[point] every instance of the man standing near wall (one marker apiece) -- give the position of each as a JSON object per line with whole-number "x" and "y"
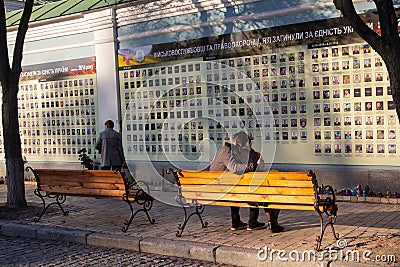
{"x": 109, "y": 145}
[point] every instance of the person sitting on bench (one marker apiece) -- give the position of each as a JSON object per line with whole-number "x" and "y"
{"x": 221, "y": 162}
{"x": 249, "y": 160}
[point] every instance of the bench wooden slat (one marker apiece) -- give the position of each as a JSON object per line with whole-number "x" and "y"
{"x": 206, "y": 174}
{"x": 245, "y": 181}
{"x": 300, "y": 176}
{"x": 83, "y": 191}
{"x": 119, "y": 186}
{"x": 243, "y": 204}
{"x": 76, "y": 172}
{"x": 80, "y": 178}
{"x": 249, "y": 197}
{"x": 250, "y": 189}
{"x": 297, "y": 176}
{"x": 91, "y": 196}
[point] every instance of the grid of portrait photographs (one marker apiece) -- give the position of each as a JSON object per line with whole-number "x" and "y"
{"x": 57, "y": 118}
{"x": 336, "y": 99}
{"x": 353, "y": 110}
{"x": 171, "y": 109}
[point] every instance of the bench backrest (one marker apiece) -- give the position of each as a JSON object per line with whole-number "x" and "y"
{"x": 281, "y": 190}
{"x": 96, "y": 183}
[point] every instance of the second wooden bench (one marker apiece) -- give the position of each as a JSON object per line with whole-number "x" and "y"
{"x": 57, "y": 184}
{"x": 274, "y": 190}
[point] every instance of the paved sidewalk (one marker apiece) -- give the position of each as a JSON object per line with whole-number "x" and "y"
{"x": 364, "y": 226}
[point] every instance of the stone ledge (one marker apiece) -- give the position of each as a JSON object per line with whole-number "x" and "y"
{"x": 240, "y": 257}
{"x": 185, "y": 249}
{"x": 114, "y": 241}
{"x": 368, "y": 199}
{"x": 248, "y": 257}
{"x": 63, "y": 234}
{"x": 19, "y": 230}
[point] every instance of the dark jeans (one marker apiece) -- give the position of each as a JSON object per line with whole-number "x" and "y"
{"x": 113, "y": 167}
{"x": 272, "y": 214}
{"x": 253, "y": 215}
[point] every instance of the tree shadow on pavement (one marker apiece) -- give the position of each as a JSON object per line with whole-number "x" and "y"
{"x": 13, "y": 214}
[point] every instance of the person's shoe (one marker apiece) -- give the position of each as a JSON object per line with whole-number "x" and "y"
{"x": 255, "y": 226}
{"x": 279, "y": 227}
{"x": 275, "y": 227}
{"x": 239, "y": 226}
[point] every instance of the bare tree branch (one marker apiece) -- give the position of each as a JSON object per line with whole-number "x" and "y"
{"x": 22, "y": 29}
{"x": 388, "y": 22}
{"x": 349, "y": 13}
{"x": 4, "y": 61}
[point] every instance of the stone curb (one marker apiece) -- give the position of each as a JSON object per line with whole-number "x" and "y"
{"x": 114, "y": 241}
{"x": 19, "y": 230}
{"x": 185, "y": 249}
{"x": 251, "y": 257}
{"x": 63, "y": 234}
{"x": 382, "y": 200}
{"x": 352, "y": 264}
{"x": 44, "y": 232}
{"x": 239, "y": 257}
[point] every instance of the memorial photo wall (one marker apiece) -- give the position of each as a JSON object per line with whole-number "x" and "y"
{"x": 183, "y": 117}
{"x": 323, "y": 93}
{"x": 57, "y": 110}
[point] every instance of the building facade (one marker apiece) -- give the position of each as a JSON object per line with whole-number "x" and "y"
{"x": 181, "y": 78}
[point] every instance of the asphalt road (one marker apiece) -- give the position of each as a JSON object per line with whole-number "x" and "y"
{"x": 28, "y": 252}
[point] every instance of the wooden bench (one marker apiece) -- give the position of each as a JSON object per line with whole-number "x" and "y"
{"x": 57, "y": 184}
{"x": 274, "y": 190}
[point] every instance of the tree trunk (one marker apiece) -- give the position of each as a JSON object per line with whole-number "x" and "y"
{"x": 395, "y": 85}
{"x": 12, "y": 143}
{"x": 393, "y": 67}
{"x": 9, "y": 78}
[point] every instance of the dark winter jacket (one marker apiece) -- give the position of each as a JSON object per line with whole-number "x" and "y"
{"x": 109, "y": 144}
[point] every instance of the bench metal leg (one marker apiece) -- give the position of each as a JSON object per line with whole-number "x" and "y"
{"x": 329, "y": 209}
{"x": 60, "y": 199}
{"x": 199, "y": 209}
{"x": 180, "y": 199}
{"x": 331, "y": 222}
{"x": 142, "y": 199}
